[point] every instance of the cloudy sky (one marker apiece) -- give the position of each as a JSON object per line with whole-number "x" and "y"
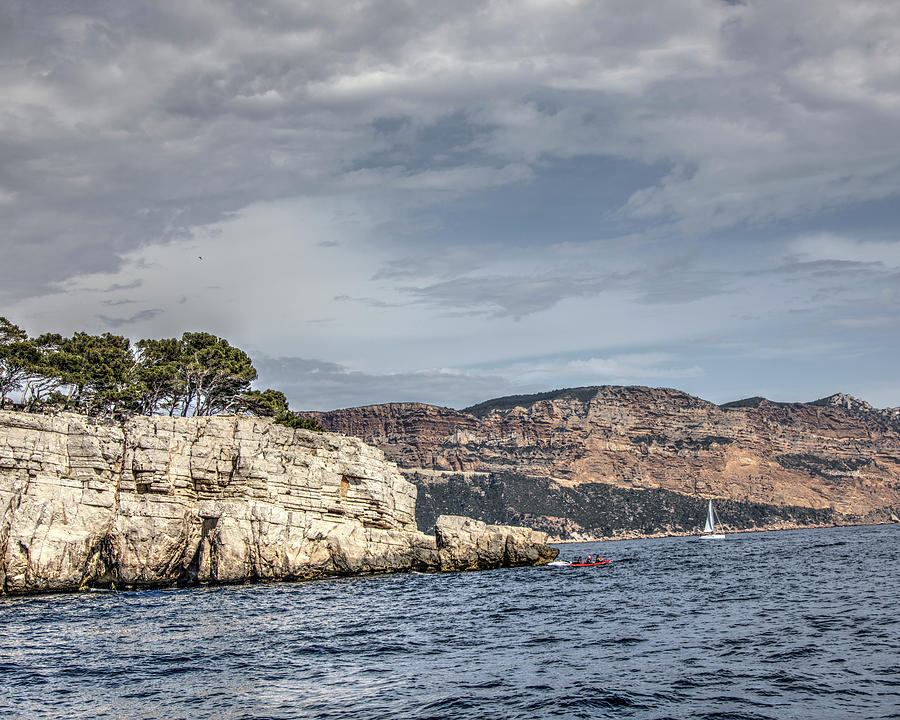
{"x": 448, "y": 202}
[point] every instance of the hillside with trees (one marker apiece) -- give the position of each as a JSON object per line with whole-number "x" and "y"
{"x": 196, "y": 374}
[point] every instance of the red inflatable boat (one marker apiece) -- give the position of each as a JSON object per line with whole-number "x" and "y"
{"x": 593, "y": 564}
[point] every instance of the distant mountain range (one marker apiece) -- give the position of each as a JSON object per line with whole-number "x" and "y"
{"x": 615, "y": 461}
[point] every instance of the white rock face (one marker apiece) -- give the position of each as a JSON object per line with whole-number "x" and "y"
{"x": 163, "y": 501}
{"x": 467, "y": 544}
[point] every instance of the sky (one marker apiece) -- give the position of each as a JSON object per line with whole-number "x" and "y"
{"x": 450, "y": 202}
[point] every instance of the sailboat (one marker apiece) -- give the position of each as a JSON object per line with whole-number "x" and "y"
{"x": 709, "y": 530}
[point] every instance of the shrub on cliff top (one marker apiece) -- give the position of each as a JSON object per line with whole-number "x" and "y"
{"x": 273, "y": 403}
{"x": 298, "y": 422}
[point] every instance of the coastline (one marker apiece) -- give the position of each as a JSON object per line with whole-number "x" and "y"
{"x": 649, "y": 536}
{"x": 155, "y": 501}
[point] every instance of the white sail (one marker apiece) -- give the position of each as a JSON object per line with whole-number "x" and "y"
{"x": 709, "y": 530}
{"x": 710, "y": 526}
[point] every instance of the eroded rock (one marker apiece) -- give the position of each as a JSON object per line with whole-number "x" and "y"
{"x": 467, "y": 544}
{"x": 165, "y": 501}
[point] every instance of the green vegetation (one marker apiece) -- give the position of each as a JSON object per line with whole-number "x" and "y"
{"x": 197, "y": 374}
{"x": 582, "y": 394}
{"x": 594, "y": 509}
{"x": 272, "y": 403}
{"x": 821, "y": 466}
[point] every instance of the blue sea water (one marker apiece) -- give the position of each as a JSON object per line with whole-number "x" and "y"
{"x": 795, "y": 624}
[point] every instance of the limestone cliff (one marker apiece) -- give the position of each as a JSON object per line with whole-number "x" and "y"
{"x": 838, "y": 458}
{"x": 162, "y": 501}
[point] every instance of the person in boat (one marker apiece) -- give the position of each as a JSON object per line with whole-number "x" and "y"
{"x": 577, "y": 560}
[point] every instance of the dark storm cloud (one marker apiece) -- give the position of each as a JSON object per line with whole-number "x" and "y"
{"x": 500, "y": 296}
{"x": 118, "y": 322}
{"x": 116, "y": 135}
{"x": 668, "y": 280}
{"x": 827, "y": 268}
{"x": 450, "y": 140}
{"x": 681, "y": 288}
{"x": 519, "y": 296}
{"x": 130, "y": 124}
{"x": 369, "y": 301}
{"x": 116, "y": 287}
{"x": 448, "y": 262}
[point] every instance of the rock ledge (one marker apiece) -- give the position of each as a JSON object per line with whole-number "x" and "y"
{"x": 162, "y": 501}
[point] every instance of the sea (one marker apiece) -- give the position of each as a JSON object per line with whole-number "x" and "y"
{"x": 790, "y": 624}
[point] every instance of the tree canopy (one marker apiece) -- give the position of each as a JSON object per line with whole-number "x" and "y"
{"x": 16, "y": 356}
{"x": 196, "y": 374}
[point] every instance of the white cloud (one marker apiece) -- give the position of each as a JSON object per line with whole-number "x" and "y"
{"x": 826, "y": 246}
{"x": 635, "y": 365}
{"x": 630, "y": 368}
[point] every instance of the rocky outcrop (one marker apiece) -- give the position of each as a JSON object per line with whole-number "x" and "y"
{"x": 162, "y": 501}
{"x": 467, "y": 544}
{"x": 838, "y": 456}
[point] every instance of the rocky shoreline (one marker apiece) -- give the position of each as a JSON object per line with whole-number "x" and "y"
{"x": 650, "y": 536}
{"x": 160, "y": 501}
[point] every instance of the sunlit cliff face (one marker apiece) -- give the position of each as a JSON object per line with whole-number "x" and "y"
{"x": 834, "y": 453}
{"x": 160, "y": 501}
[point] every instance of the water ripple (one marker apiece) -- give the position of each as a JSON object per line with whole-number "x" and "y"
{"x": 770, "y": 625}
